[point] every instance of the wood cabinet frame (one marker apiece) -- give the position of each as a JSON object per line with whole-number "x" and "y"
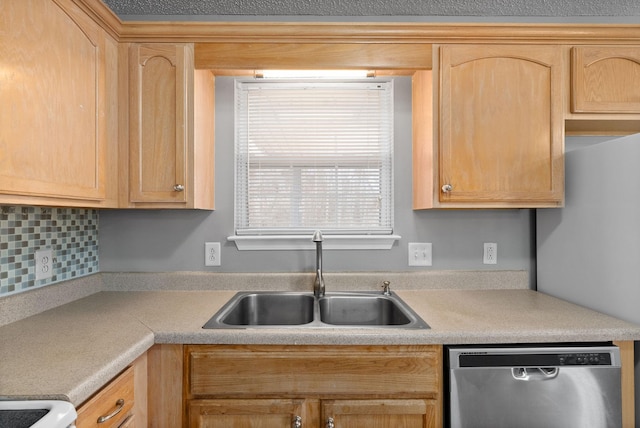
{"x": 232, "y": 47}
{"x": 161, "y": 93}
{"x": 167, "y": 137}
{"x": 400, "y": 381}
{"x": 61, "y": 116}
{"x": 499, "y": 141}
{"x": 604, "y": 79}
{"x": 167, "y": 368}
{"x": 602, "y": 98}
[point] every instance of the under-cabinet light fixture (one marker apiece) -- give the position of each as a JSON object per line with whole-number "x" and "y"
{"x": 314, "y": 74}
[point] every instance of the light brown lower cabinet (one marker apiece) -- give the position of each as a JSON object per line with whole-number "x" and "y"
{"x": 312, "y": 386}
{"x": 406, "y": 413}
{"x": 268, "y": 412}
{"x": 265, "y": 386}
{"x": 122, "y": 403}
{"x": 112, "y": 406}
{"x": 380, "y": 413}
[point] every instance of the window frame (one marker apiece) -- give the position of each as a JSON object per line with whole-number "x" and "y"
{"x": 295, "y": 238}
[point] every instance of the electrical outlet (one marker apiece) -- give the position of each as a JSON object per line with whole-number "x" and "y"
{"x": 420, "y": 253}
{"x": 490, "y": 256}
{"x": 212, "y": 254}
{"x": 44, "y": 263}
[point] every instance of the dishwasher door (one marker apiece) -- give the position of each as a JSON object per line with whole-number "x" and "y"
{"x": 535, "y": 387}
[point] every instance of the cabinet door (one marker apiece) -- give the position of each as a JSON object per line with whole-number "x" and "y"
{"x": 501, "y": 126}
{"x": 254, "y": 413}
{"x": 380, "y": 414}
{"x": 605, "y": 79}
{"x": 160, "y": 123}
{"x": 53, "y": 89}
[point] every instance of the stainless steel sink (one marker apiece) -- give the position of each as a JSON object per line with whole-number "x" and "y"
{"x": 265, "y": 309}
{"x": 351, "y": 309}
{"x": 292, "y": 309}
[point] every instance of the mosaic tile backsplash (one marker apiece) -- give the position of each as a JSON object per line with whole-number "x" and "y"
{"x": 71, "y": 234}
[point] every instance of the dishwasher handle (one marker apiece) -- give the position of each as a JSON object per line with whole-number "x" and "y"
{"x": 528, "y": 374}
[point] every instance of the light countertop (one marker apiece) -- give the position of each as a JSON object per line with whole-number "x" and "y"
{"x": 70, "y": 351}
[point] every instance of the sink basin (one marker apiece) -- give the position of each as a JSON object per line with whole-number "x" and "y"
{"x": 362, "y": 310}
{"x": 265, "y": 309}
{"x": 338, "y": 309}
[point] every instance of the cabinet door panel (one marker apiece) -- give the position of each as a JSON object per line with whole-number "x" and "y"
{"x": 500, "y": 124}
{"x": 286, "y": 371}
{"x": 380, "y": 413}
{"x": 254, "y": 413}
{"x": 52, "y": 126}
{"x": 160, "y": 78}
{"x": 605, "y": 79}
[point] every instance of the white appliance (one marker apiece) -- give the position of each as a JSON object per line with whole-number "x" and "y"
{"x": 589, "y": 251}
{"x": 37, "y": 414}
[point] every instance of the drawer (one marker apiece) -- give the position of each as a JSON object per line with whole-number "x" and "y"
{"x": 291, "y": 371}
{"x": 112, "y": 406}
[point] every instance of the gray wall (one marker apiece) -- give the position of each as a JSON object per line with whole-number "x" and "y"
{"x": 173, "y": 240}
{"x": 588, "y": 252}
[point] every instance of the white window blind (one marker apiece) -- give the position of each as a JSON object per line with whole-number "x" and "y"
{"x": 314, "y": 155}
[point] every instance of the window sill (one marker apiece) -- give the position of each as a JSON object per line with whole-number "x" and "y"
{"x": 304, "y": 242}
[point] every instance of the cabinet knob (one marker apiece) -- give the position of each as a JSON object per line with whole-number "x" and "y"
{"x": 330, "y": 423}
{"x": 178, "y": 188}
{"x": 297, "y": 422}
{"x": 447, "y": 188}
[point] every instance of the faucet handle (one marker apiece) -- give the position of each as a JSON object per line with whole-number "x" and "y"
{"x": 386, "y": 286}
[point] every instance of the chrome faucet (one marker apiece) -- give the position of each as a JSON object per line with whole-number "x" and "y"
{"x": 318, "y": 283}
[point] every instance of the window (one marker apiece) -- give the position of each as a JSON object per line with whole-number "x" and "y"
{"x": 311, "y": 155}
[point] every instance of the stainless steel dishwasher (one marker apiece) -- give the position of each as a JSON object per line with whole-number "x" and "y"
{"x": 530, "y": 387}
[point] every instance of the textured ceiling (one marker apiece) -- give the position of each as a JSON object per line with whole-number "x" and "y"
{"x": 336, "y": 8}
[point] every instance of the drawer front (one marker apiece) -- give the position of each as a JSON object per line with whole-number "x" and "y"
{"x": 286, "y": 371}
{"x": 111, "y": 406}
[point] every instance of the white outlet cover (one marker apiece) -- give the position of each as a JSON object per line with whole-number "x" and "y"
{"x": 420, "y": 254}
{"x": 44, "y": 264}
{"x": 212, "y": 254}
{"x": 490, "y": 256}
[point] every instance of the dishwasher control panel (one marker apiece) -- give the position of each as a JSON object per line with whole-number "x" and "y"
{"x": 600, "y": 358}
{"x": 539, "y": 357}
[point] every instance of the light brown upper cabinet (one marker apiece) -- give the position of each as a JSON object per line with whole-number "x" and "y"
{"x": 605, "y": 79}
{"x": 498, "y": 138}
{"x": 58, "y": 126}
{"x": 170, "y": 128}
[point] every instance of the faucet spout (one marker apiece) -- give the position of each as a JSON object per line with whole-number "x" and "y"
{"x": 318, "y": 283}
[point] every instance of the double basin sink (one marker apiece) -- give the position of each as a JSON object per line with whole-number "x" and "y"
{"x": 299, "y": 309}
